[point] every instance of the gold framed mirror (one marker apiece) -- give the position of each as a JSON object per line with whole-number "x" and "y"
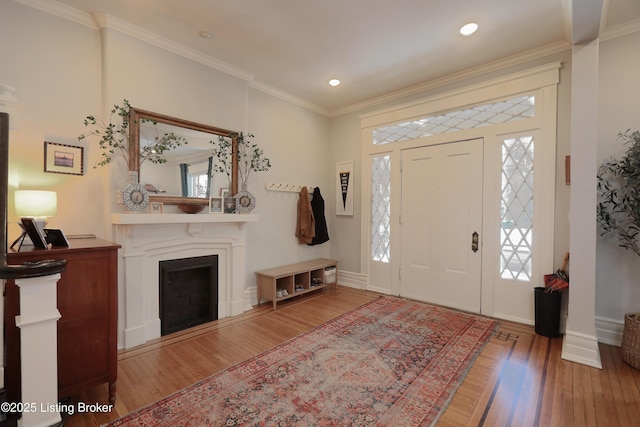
{"x": 196, "y": 152}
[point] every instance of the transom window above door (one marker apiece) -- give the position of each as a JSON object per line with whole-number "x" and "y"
{"x": 510, "y": 110}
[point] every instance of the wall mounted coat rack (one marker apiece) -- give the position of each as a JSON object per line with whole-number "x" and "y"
{"x": 290, "y": 188}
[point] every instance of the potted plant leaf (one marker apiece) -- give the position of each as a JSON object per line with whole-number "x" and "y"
{"x": 618, "y": 214}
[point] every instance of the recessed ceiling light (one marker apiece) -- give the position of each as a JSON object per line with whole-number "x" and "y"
{"x": 206, "y": 35}
{"x": 468, "y": 29}
{"x": 334, "y": 82}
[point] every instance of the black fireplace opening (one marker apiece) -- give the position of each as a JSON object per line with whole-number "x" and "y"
{"x": 188, "y": 292}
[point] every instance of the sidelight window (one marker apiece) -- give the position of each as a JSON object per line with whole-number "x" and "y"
{"x": 516, "y": 208}
{"x": 381, "y": 208}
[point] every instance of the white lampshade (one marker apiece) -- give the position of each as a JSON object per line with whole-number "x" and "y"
{"x": 35, "y": 203}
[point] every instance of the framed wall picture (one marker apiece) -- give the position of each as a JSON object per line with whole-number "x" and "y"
{"x": 62, "y": 158}
{"x": 344, "y": 188}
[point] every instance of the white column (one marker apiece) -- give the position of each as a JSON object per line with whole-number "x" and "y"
{"x": 580, "y": 341}
{"x": 39, "y": 350}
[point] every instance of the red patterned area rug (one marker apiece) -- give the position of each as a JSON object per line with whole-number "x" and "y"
{"x": 390, "y": 362}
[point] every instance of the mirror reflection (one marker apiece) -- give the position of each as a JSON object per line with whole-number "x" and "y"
{"x": 188, "y": 170}
{"x": 187, "y": 173}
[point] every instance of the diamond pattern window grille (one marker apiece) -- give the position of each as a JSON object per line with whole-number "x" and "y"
{"x": 381, "y": 208}
{"x": 516, "y": 211}
{"x": 522, "y": 107}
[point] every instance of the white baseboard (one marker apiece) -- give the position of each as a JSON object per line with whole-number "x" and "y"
{"x": 352, "y": 280}
{"x": 609, "y": 330}
{"x": 581, "y": 348}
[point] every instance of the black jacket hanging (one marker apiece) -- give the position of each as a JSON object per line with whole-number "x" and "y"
{"x": 317, "y": 206}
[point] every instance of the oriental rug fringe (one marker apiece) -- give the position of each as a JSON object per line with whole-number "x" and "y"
{"x": 389, "y": 362}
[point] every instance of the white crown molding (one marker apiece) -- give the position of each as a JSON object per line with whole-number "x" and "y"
{"x": 61, "y": 10}
{"x": 498, "y": 65}
{"x": 620, "y": 30}
{"x": 262, "y": 87}
{"x": 107, "y": 21}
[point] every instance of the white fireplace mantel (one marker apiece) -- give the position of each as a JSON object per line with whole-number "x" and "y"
{"x": 148, "y": 239}
{"x": 139, "y": 218}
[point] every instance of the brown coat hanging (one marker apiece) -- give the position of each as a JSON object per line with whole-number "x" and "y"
{"x": 306, "y": 225}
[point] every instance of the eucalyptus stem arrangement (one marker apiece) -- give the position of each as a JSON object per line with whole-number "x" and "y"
{"x": 250, "y": 157}
{"x": 223, "y": 156}
{"x": 114, "y": 137}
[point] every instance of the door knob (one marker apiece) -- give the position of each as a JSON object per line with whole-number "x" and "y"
{"x": 474, "y": 241}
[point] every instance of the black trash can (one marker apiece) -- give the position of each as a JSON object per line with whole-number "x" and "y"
{"x": 547, "y": 307}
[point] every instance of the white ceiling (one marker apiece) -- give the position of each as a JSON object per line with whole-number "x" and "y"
{"x": 376, "y": 47}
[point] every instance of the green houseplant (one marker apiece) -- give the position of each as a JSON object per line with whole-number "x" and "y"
{"x": 618, "y": 214}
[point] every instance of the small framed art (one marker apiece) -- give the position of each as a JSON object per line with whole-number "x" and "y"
{"x": 156, "y": 207}
{"x": 63, "y": 158}
{"x": 215, "y": 205}
{"x": 56, "y": 237}
{"x": 229, "y": 205}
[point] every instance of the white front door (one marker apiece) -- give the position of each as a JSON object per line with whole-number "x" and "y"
{"x": 441, "y": 222}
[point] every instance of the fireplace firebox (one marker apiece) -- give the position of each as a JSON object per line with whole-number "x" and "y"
{"x": 188, "y": 292}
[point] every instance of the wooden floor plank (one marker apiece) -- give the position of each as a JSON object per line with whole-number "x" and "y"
{"x": 519, "y": 379}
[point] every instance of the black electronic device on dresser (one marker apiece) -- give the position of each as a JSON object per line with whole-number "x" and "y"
{"x": 87, "y": 299}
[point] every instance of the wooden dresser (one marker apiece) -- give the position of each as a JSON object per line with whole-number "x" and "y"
{"x": 87, "y": 298}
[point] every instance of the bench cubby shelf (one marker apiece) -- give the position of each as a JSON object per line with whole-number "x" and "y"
{"x": 296, "y": 279}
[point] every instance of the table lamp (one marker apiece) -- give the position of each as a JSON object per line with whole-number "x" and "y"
{"x": 35, "y": 204}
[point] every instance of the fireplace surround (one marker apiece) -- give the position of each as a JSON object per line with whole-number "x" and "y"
{"x": 148, "y": 239}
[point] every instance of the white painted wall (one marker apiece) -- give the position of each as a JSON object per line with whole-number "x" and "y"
{"x": 296, "y": 142}
{"x": 617, "y": 270}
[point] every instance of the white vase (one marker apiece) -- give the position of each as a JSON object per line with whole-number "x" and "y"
{"x": 245, "y": 202}
{"x": 133, "y": 197}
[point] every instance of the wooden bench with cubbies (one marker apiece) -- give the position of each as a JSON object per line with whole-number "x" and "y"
{"x": 288, "y": 281}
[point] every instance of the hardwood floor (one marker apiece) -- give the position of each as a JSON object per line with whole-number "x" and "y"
{"x": 518, "y": 379}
